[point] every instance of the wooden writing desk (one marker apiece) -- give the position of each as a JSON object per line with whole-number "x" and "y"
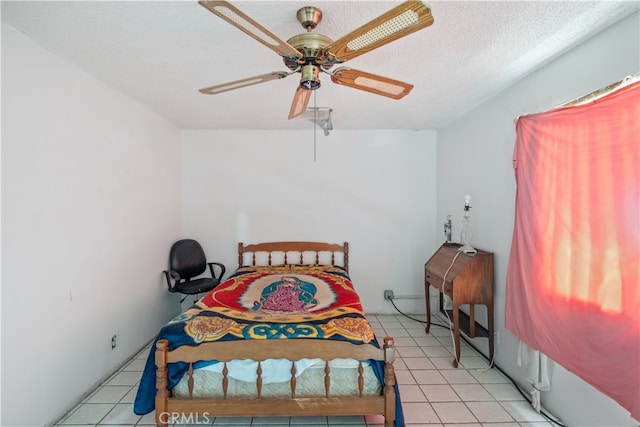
{"x": 466, "y": 279}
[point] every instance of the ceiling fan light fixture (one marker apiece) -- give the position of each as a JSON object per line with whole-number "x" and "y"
{"x": 321, "y": 116}
{"x": 309, "y": 79}
{"x": 317, "y": 113}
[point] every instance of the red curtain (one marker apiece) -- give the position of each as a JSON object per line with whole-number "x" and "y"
{"x": 573, "y": 278}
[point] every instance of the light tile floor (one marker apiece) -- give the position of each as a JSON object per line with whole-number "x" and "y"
{"x": 433, "y": 393}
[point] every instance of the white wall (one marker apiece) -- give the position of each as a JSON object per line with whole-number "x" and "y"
{"x": 91, "y": 202}
{"x": 474, "y": 157}
{"x": 90, "y": 205}
{"x": 374, "y": 189}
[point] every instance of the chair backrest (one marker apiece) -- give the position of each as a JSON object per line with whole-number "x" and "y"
{"x": 187, "y": 258}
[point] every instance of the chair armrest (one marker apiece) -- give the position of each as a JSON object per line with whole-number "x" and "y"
{"x": 220, "y": 266}
{"x": 171, "y": 274}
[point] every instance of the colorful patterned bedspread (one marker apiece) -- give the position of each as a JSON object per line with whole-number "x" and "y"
{"x": 280, "y": 302}
{"x": 274, "y": 302}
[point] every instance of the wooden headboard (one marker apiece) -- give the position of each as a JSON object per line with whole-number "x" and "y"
{"x": 299, "y": 251}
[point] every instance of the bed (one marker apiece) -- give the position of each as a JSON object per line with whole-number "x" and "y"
{"x": 284, "y": 335}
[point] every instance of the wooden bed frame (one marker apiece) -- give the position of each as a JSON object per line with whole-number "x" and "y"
{"x": 297, "y": 247}
{"x": 167, "y": 406}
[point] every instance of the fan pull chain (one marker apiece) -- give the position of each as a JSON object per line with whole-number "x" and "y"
{"x": 315, "y": 125}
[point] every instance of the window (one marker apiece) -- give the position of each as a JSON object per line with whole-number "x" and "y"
{"x": 573, "y": 279}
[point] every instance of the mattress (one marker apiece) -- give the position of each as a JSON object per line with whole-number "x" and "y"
{"x": 276, "y": 379}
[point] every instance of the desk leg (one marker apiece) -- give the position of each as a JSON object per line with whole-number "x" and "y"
{"x": 456, "y": 334}
{"x": 427, "y": 287}
{"x": 491, "y": 333}
{"x": 472, "y": 320}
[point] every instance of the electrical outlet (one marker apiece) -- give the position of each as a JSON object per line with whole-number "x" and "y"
{"x": 114, "y": 341}
{"x": 388, "y": 295}
{"x": 448, "y": 304}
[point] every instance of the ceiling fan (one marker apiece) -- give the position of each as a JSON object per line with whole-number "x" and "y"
{"x": 311, "y": 53}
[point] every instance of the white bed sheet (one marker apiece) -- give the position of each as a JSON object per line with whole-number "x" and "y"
{"x": 276, "y": 376}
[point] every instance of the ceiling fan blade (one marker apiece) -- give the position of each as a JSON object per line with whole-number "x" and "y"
{"x": 213, "y": 90}
{"x": 300, "y": 102}
{"x": 244, "y": 22}
{"x": 400, "y": 21}
{"x": 371, "y": 83}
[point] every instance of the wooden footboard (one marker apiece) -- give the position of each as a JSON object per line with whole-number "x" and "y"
{"x": 167, "y": 406}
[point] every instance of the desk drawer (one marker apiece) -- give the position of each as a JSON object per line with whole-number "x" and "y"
{"x": 436, "y": 280}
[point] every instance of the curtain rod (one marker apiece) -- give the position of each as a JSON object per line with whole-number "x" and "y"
{"x": 602, "y": 91}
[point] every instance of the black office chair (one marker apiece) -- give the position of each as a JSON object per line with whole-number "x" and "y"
{"x": 187, "y": 260}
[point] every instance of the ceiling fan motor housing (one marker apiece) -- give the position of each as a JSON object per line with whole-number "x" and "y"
{"x": 311, "y": 46}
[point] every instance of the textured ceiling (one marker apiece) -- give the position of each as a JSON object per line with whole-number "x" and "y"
{"x": 160, "y": 53}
